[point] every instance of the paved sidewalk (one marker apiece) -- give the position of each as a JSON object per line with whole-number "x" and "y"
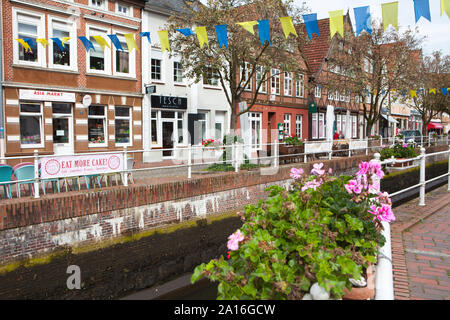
{"x": 421, "y": 248}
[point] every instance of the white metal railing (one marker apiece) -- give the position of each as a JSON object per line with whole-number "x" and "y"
{"x": 195, "y": 155}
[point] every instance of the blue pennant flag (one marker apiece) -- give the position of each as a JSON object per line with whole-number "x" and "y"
{"x": 311, "y": 24}
{"x": 31, "y": 42}
{"x": 362, "y": 20}
{"x": 186, "y": 32}
{"x": 59, "y": 43}
{"x": 87, "y": 43}
{"x": 444, "y": 91}
{"x": 422, "y": 9}
{"x": 115, "y": 41}
{"x": 222, "y": 37}
{"x": 146, "y": 34}
{"x": 264, "y": 31}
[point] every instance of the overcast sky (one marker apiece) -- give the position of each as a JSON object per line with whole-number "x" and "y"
{"x": 437, "y": 31}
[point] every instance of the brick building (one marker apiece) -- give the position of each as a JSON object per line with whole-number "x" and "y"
{"x": 43, "y": 90}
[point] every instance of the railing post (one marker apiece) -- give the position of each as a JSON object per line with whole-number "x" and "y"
{"x": 190, "y": 161}
{"x": 36, "y": 174}
{"x": 235, "y": 158}
{"x": 125, "y": 164}
{"x": 367, "y": 147}
{"x": 422, "y": 177}
{"x": 277, "y": 153}
{"x": 305, "y": 156}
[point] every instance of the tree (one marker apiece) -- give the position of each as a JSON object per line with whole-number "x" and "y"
{"x": 428, "y": 77}
{"x": 245, "y": 54}
{"x": 377, "y": 64}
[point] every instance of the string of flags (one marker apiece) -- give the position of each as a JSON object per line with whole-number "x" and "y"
{"x": 362, "y": 22}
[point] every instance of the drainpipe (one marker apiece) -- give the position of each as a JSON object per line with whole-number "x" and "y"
{"x": 2, "y": 126}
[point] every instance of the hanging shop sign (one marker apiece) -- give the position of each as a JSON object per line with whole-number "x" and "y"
{"x": 166, "y": 102}
{"x": 42, "y": 95}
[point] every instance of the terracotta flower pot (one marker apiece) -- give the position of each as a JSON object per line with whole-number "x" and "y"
{"x": 364, "y": 293}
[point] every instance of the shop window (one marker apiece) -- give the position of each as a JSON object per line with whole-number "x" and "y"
{"x": 122, "y": 124}
{"x": 31, "y": 129}
{"x": 298, "y": 125}
{"x": 260, "y": 75}
{"x": 318, "y": 126}
{"x": 180, "y": 127}
{"x": 300, "y": 86}
{"x": 154, "y": 127}
{"x": 156, "y": 69}
{"x": 288, "y": 84}
{"x": 178, "y": 72}
{"x": 97, "y": 125}
{"x": 275, "y": 81}
{"x": 256, "y": 130}
{"x": 202, "y": 126}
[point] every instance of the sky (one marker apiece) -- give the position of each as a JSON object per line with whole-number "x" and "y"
{"x": 437, "y": 31}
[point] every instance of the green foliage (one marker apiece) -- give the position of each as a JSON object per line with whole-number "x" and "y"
{"x": 398, "y": 151}
{"x": 219, "y": 167}
{"x": 293, "y": 140}
{"x": 296, "y": 238}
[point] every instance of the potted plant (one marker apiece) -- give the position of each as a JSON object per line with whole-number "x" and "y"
{"x": 292, "y": 145}
{"x": 321, "y": 231}
{"x": 399, "y": 151}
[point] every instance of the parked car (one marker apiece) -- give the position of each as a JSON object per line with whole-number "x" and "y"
{"x": 411, "y": 134}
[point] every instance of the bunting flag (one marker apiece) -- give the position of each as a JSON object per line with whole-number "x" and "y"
{"x": 445, "y": 7}
{"x": 222, "y": 36}
{"x": 336, "y": 22}
{"x": 147, "y": 35}
{"x": 24, "y": 44}
{"x": 102, "y": 42}
{"x": 42, "y": 41}
{"x": 248, "y": 25}
{"x": 288, "y": 26}
{"x": 131, "y": 43}
{"x": 64, "y": 40}
{"x": 413, "y": 93}
{"x": 202, "y": 36}
{"x": 264, "y": 31}
{"x": 59, "y": 43}
{"x": 422, "y": 9}
{"x": 432, "y": 91}
{"x": 444, "y": 91}
{"x": 311, "y": 24}
{"x": 390, "y": 14}
{"x": 115, "y": 41}
{"x": 164, "y": 40}
{"x": 87, "y": 43}
{"x": 362, "y": 20}
{"x": 31, "y": 42}
{"x": 185, "y": 32}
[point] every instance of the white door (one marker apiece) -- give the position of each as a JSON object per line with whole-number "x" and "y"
{"x": 62, "y": 128}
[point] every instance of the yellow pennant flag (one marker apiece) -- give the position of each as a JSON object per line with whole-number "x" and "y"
{"x": 432, "y": 91}
{"x": 102, "y": 42}
{"x": 413, "y": 93}
{"x": 42, "y": 41}
{"x": 65, "y": 39}
{"x": 336, "y": 22}
{"x": 131, "y": 43}
{"x": 202, "y": 36}
{"x": 248, "y": 25}
{"x": 164, "y": 40}
{"x": 390, "y": 14}
{"x": 25, "y": 45}
{"x": 288, "y": 26}
{"x": 445, "y": 7}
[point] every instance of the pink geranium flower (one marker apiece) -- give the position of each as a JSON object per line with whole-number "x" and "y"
{"x": 405, "y": 145}
{"x": 234, "y": 239}
{"x": 314, "y": 184}
{"x": 296, "y": 173}
{"x": 363, "y": 168}
{"x": 383, "y": 213}
{"x": 354, "y": 186}
{"x": 317, "y": 169}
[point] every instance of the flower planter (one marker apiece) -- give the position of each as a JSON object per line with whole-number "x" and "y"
{"x": 403, "y": 164}
{"x": 363, "y": 293}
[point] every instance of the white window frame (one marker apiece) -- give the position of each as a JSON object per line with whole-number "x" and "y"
{"x": 354, "y": 126}
{"x": 71, "y": 28}
{"x": 131, "y": 58}
{"x": 157, "y": 119}
{"x": 255, "y": 117}
{"x": 330, "y": 95}
{"x": 322, "y": 134}
{"x": 206, "y": 85}
{"x": 130, "y": 121}
{"x": 183, "y": 81}
{"x": 318, "y": 92}
{"x": 287, "y": 123}
{"x": 287, "y": 84}
{"x": 206, "y": 121}
{"x": 247, "y": 72}
{"x": 41, "y": 123}
{"x": 275, "y": 79}
{"x": 342, "y": 96}
{"x": 300, "y": 86}
{"x": 129, "y": 8}
{"x": 260, "y": 74}
{"x": 298, "y": 125}
{"x": 99, "y": 31}
{"x": 37, "y": 19}
{"x": 103, "y": 7}
{"x": 105, "y": 127}
{"x": 318, "y": 117}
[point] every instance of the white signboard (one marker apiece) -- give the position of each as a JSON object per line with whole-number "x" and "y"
{"x": 318, "y": 147}
{"x": 358, "y": 144}
{"x": 67, "y": 166}
{"x": 42, "y": 95}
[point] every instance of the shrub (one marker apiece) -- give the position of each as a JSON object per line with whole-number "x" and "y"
{"x": 293, "y": 140}
{"x": 322, "y": 229}
{"x": 399, "y": 151}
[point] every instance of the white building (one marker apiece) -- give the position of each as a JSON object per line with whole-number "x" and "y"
{"x": 180, "y": 112}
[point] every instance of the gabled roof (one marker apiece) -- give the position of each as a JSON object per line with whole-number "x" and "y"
{"x": 170, "y": 7}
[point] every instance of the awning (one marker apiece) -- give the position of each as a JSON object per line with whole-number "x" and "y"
{"x": 389, "y": 118}
{"x": 434, "y": 125}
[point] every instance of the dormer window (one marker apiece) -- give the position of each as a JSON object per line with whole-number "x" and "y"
{"x": 124, "y": 9}
{"x": 98, "y": 4}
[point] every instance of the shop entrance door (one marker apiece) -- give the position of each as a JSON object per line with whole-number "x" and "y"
{"x": 168, "y": 138}
{"x": 62, "y": 129}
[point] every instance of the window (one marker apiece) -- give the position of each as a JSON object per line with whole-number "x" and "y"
{"x": 99, "y": 61}
{"x": 178, "y": 72}
{"x": 287, "y": 124}
{"x": 31, "y": 129}
{"x": 28, "y": 27}
{"x": 338, "y": 123}
{"x": 260, "y": 75}
{"x": 342, "y": 96}
{"x": 123, "y": 9}
{"x": 256, "y": 132}
{"x": 368, "y": 66}
{"x": 154, "y": 127}
{"x": 318, "y": 91}
{"x": 354, "y": 129}
{"x": 246, "y": 75}
{"x": 156, "y": 69}
{"x": 347, "y": 96}
{"x": 275, "y": 81}
{"x": 330, "y": 95}
{"x": 210, "y": 76}
{"x": 62, "y": 58}
{"x": 368, "y": 97}
{"x": 219, "y": 124}
{"x": 98, "y": 4}
{"x": 300, "y": 86}
{"x": 318, "y": 125}
{"x": 124, "y": 63}
{"x": 288, "y": 84}
{"x": 180, "y": 127}
{"x": 202, "y": 126}
{"x": 298, "y": 126}
{"x": 97, "y": 125}
{"x": 357, "y": 99}
{"x": 122, "y": 125}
